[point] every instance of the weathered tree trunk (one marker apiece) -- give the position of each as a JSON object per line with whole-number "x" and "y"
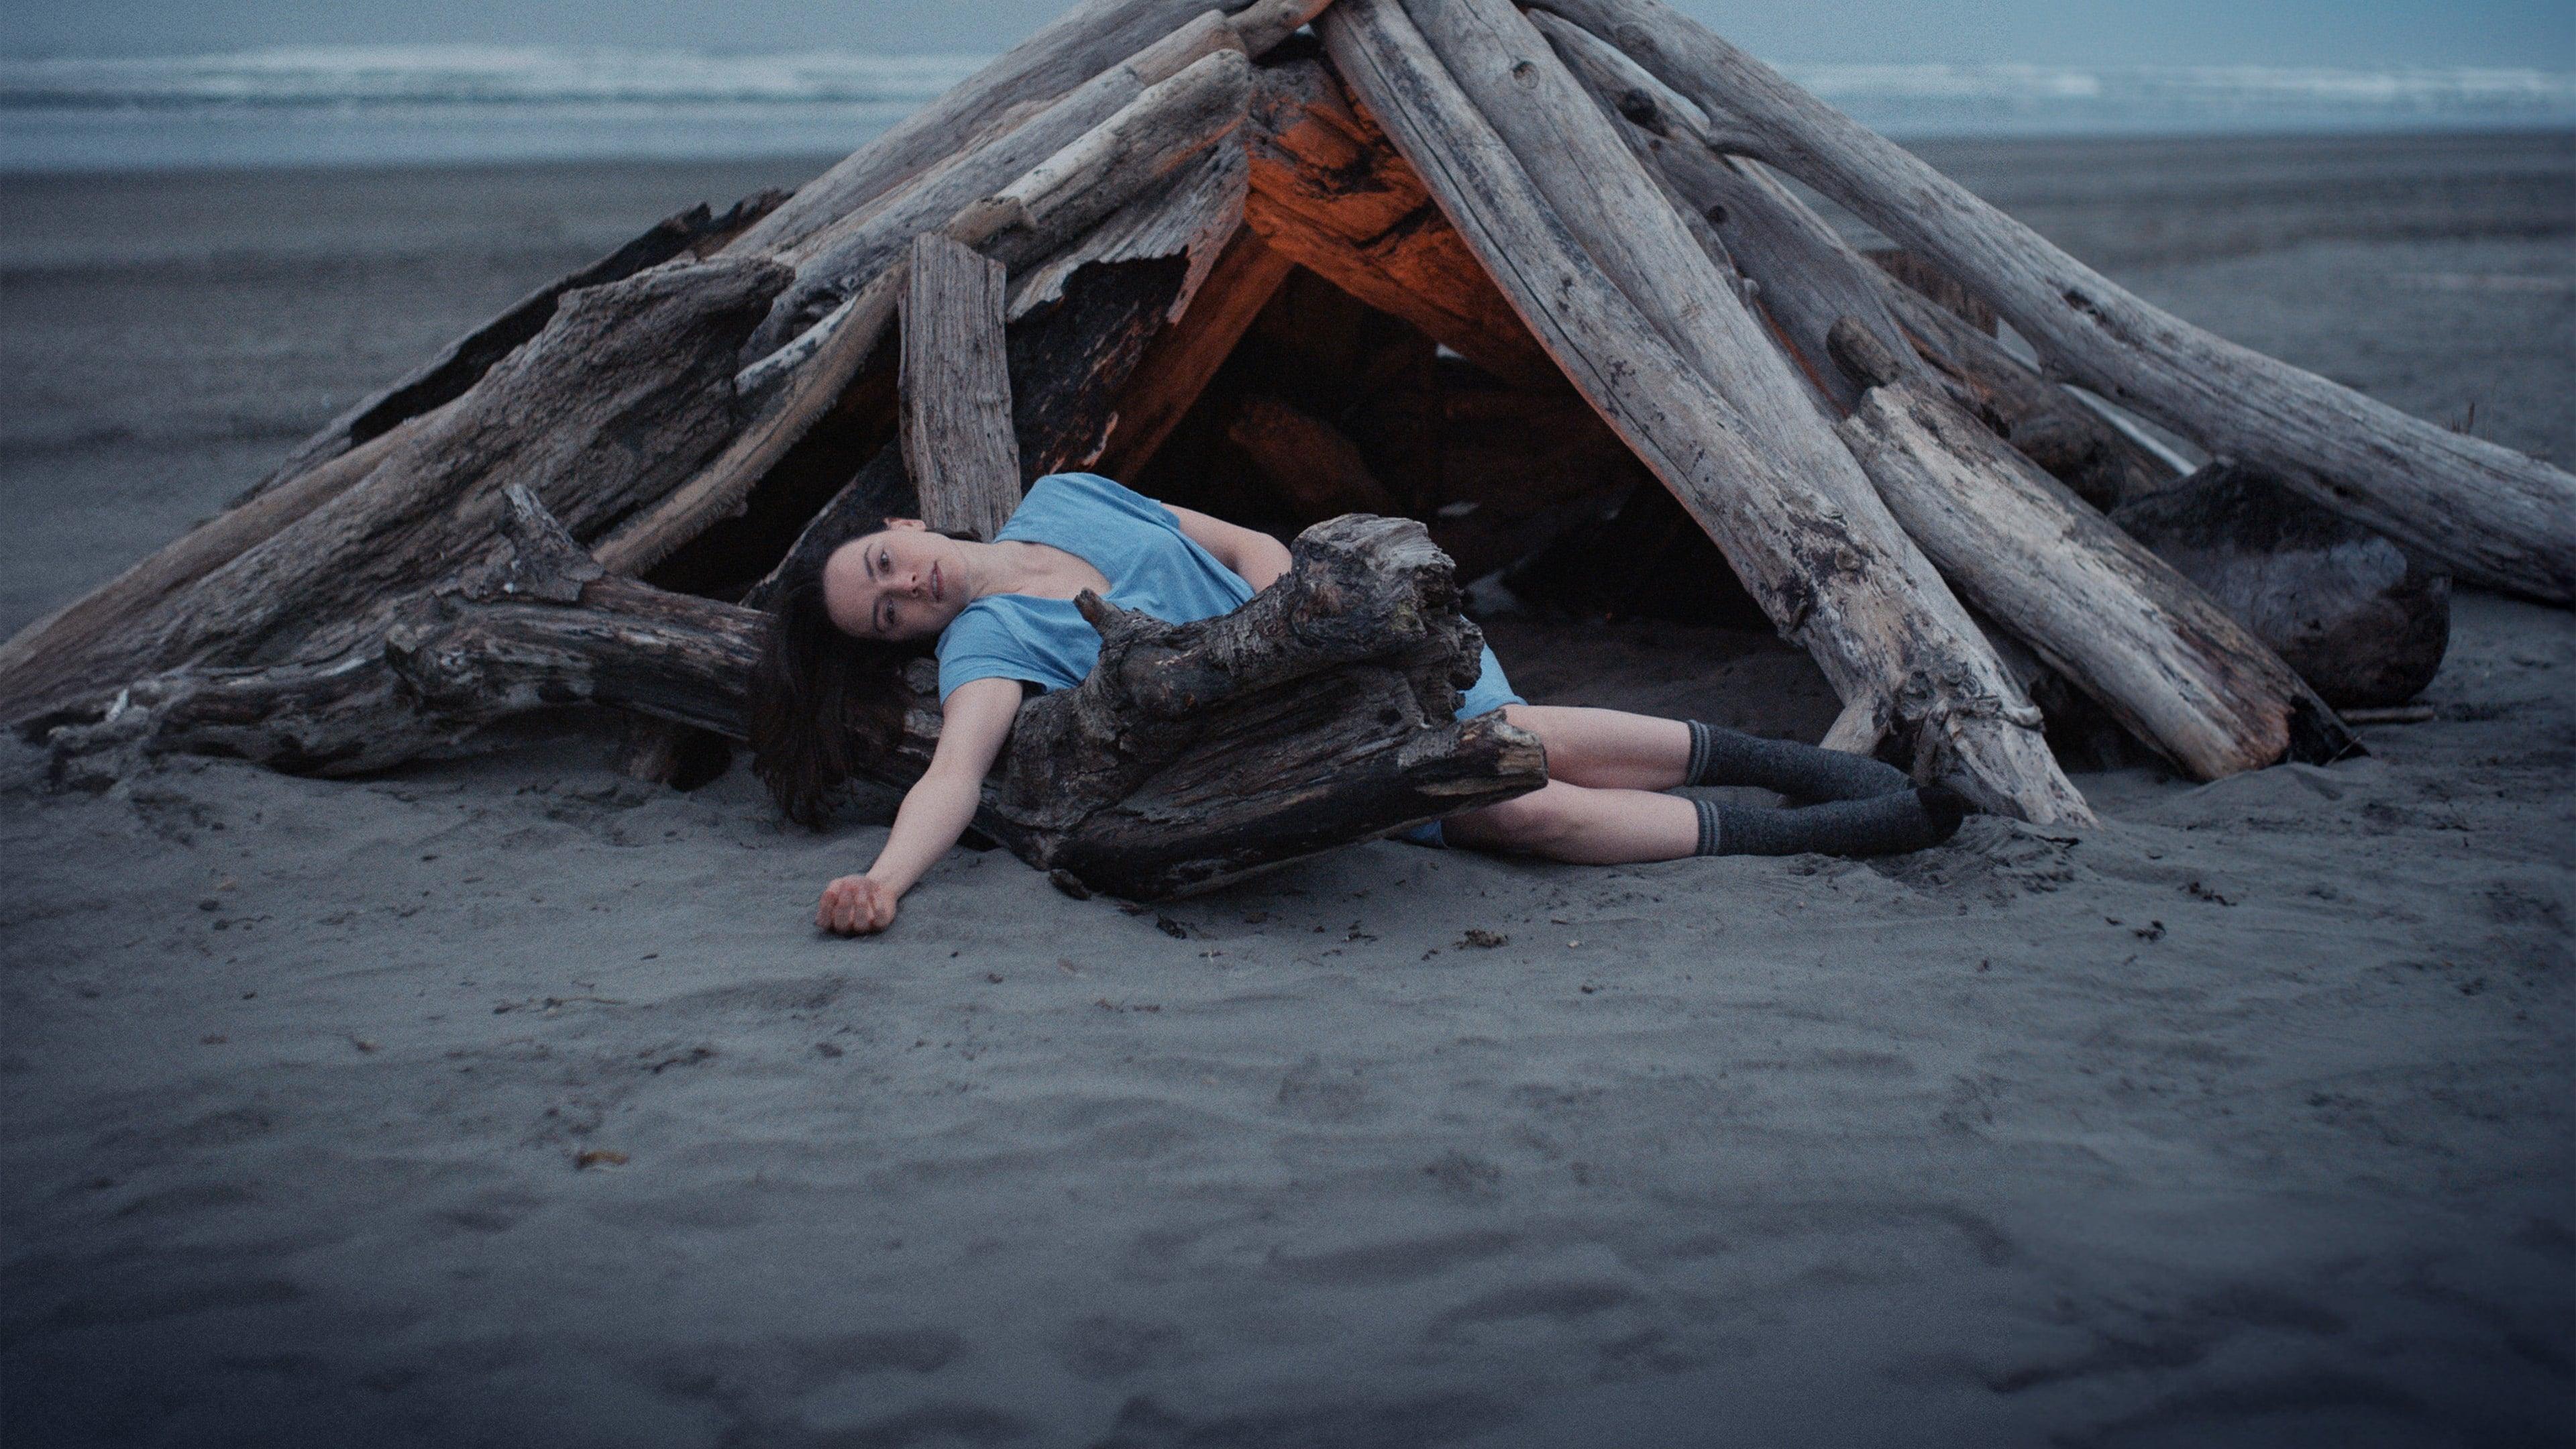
{"x": 2362, "y": 622}
{"x": 1331, "y": 194}
{"x": 956, "y": 385}
{"x": 2168, "y": 664}
{"x": 603, "y": 413}
{"x": 1316, "y": 715}
{"x": 2496, "y": 517}
{"x": 1800, "y": 280}
{"x": 1845, "y": 584}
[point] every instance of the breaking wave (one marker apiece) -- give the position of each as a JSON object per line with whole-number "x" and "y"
{"x": 399, "y": 104}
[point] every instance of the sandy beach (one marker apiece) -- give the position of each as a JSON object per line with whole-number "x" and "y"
{"x": 505, "y": 1100}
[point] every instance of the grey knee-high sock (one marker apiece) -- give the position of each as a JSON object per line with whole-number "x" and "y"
{"x": 1879, "y": 825}
{"x": 1721, "y": 756}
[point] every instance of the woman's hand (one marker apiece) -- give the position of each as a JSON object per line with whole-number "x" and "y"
{"x": 856, "y": 905}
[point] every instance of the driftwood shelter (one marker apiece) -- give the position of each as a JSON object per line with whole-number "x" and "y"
{"x": 1304, "y": 263}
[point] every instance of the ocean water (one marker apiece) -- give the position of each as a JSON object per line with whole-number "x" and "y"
{"x": 347, "y": 106}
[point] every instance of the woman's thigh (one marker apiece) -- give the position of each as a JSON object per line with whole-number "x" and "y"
{"x": 1606, "y": 748}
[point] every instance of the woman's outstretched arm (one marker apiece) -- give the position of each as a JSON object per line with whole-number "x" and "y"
{"x": 974, "y": 721}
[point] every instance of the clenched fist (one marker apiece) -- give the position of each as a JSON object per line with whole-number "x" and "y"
{"x": 855, "y": 905}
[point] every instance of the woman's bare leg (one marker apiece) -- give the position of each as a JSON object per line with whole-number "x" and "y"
{"x": 1580, "y": 825}
{"x": 1607, "y": 748}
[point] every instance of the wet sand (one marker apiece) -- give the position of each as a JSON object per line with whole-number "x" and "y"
{"x": 2246, "y": 1118}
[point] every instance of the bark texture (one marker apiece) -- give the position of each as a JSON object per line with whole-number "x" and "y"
{"x": 957, "y": 440}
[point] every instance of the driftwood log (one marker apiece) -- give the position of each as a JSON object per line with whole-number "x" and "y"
{"x": 1805, "y": 279}
{"x": 1317, "y": 713}
{"x": 2167, "y": 663}
{"x": 2494, "y": 516}
{"x": 2362, "y": 621}
{"x": 956, "y": 387}
{"x": 603, "y": 412}
{"x": 2045, "y": 422}
{"x": 1840, "y": 590}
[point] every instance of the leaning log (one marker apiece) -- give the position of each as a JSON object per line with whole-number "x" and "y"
{"x": 1834, "y": 574}
{"x": 2362, "y": 622}
{"x": 1806, "y": 279}
{"x": 2119, "y": 623}
{"x": 1803, "y": 276}
{"x": 605, "y": 411}
{"x": 956, "y": 390}
{"x": 2496, "y": 517}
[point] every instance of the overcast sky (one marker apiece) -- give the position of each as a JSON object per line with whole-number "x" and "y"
{"x": 2540, "y": 33}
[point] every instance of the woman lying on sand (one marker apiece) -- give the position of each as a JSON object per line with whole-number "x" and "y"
{"x": 1000, "y": 615}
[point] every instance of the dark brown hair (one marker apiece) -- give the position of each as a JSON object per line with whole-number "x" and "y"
{"x": 821, "y": 701}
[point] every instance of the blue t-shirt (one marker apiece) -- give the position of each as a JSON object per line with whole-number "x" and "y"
{"x": 1152, "y": 568}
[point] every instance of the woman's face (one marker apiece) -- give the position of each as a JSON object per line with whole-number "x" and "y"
{"x": 904, "y": 583}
